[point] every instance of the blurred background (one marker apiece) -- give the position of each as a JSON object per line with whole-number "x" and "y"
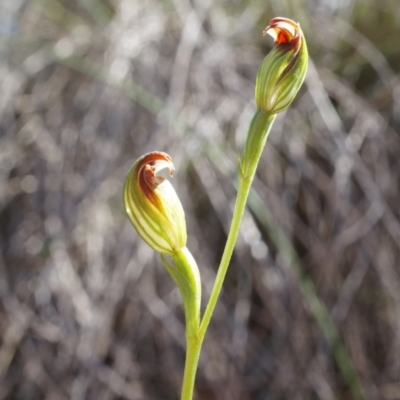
{"x": 311, "y": 304}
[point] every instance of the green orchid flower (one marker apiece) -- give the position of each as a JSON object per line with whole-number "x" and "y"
{"x": 153, "y": 206}
{"x": 283, "y": 70}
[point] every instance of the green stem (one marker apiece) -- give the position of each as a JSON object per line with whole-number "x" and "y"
{"x": 256, "y": 138}
{"x": 193, "y": 348}
{"x": 186, "y": 275}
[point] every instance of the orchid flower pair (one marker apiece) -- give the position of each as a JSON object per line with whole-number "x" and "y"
{"x": 156, "y": 213}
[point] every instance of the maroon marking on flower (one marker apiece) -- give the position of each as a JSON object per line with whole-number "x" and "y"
{"x": 284, "y": 32}
{"x": 147, "y": 169}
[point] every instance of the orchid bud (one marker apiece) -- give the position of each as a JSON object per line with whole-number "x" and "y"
{"x": 153, "y": 206}
{"x": 283, "y": 70}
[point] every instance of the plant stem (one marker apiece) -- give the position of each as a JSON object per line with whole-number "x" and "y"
{"x": 256, "y": 138}
{"x": 193, "y": 348}
{"x": 186, "y": 275}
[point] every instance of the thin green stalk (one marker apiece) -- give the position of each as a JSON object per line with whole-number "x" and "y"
{"x": 257, "y": 136}
{"x": 193, "y": 348}
{"x": 256, "y": 139}
{"x": 186, "y": 275}
{"x": 194, "y": 344}
{"x": 243, "y": 192}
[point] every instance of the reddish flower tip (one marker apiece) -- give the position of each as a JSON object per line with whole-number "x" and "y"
{"x": 282, "y": 30}
{"x": 148, "y": 167}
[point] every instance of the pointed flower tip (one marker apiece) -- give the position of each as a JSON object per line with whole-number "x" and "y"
{"x": 282, "y": 30}
{"x": 152, "y": 204}
{"x": 148, "y": 167}
{"x": 283, "y": 70}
